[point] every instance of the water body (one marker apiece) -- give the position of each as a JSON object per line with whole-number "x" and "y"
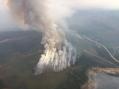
{"x": 105, "y": 81}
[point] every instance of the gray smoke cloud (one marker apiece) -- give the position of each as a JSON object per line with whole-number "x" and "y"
{"x": 47, "y": 16}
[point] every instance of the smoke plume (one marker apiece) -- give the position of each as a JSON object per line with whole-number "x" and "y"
{"x": 47, "y": 16}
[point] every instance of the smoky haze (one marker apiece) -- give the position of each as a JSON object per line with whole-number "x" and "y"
{"x": 59, "y": 52}
{"x": 6, "y": 21}
{"x": 48, "y": 16}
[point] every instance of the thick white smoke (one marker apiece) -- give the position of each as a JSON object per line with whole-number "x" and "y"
{"x": 47, "y": 16}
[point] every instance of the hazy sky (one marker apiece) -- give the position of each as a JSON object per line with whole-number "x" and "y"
{"x": 6, "y": 21}
{"x": 104, "y": 4}
{"x": 5, "y": 18}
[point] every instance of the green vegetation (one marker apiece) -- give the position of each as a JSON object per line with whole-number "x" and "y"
{"x": 18, "y": 59}
{"x": 20, "y": 54}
